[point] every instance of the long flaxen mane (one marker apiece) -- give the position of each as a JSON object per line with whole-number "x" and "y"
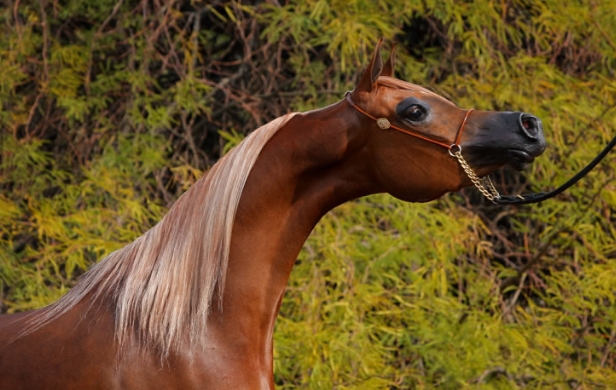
{"x": 163, "y": 284}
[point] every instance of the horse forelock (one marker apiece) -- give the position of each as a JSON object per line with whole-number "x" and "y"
{"x": 164, "y": 283}
{"x": 392, "y": 82}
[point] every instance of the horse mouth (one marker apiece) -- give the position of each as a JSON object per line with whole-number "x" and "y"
{"x": 519, "y": 159}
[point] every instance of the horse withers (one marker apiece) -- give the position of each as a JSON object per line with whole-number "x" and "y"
{"x": 191, "y": 304}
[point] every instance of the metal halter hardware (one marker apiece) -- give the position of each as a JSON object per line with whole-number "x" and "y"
{"x": 484, "y": 184}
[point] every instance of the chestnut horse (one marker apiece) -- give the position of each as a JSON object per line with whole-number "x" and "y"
{"x": 192, "y": 303}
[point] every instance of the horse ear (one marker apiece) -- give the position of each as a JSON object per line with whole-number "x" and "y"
{"x": 374, "y": 70}
{"x": 390, "y": 65}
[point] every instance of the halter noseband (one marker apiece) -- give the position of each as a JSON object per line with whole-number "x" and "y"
{"x": 455, "y": 150}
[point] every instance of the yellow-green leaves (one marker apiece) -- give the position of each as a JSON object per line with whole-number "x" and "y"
{"x": 109, "y": 110}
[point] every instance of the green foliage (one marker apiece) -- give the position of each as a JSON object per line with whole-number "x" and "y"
{"x": 111, "y": 109}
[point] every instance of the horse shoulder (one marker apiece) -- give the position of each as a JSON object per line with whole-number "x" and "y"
{"x": 66, "y": 353}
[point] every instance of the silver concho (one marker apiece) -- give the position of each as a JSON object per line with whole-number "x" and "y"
{"x": 383, "y": 123}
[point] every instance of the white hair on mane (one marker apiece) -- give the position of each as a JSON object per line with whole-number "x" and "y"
{"x": 163, "y": 284}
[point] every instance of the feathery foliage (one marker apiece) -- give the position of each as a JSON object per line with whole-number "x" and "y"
{"x": 111, "y": 109}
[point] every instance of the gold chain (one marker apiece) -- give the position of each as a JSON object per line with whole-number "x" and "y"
{"x": 481, "y": 183}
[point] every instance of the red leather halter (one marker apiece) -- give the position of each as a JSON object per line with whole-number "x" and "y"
{"x": 383, "y": 123}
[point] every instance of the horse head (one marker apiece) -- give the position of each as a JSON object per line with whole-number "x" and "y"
{"x": 419, "y": 141}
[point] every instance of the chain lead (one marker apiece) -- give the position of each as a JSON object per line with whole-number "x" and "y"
{"x": 481, "y": 183}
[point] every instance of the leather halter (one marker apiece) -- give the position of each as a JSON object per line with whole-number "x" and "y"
{"x": 384, "y": 123}
{"x": 483, "y": 184}
{"x": 455, "y": 150}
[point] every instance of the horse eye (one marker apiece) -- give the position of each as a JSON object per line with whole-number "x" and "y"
{"x": 416, "y": 113}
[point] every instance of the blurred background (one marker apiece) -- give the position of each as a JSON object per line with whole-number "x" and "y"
{"x": 110, "y": 109}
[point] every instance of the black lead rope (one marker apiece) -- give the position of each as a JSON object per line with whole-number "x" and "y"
{"x": 541, "y": 196}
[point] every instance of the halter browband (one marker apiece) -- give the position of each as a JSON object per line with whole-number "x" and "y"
{"x": 384, "y": 123}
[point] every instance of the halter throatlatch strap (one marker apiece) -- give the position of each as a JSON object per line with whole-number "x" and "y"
{"x": 484, "y": 185}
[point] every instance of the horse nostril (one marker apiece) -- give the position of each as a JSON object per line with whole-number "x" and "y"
{"x": 530, "y": 125}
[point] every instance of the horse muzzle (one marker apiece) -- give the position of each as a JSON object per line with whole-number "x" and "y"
{"x": 504, "y": 138}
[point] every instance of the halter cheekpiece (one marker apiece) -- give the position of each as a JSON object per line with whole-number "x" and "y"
{"x": 384, "y": 123}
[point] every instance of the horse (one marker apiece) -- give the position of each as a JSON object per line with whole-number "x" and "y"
{"x": 192, "y": 303}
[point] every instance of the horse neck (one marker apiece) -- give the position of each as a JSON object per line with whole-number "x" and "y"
{"x": 314, "y": 163}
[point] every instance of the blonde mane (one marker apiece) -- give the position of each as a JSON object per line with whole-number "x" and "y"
{"x": 163, "y": 284}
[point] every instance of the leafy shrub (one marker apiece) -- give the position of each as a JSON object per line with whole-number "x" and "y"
{"x": 111, "y": 109}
